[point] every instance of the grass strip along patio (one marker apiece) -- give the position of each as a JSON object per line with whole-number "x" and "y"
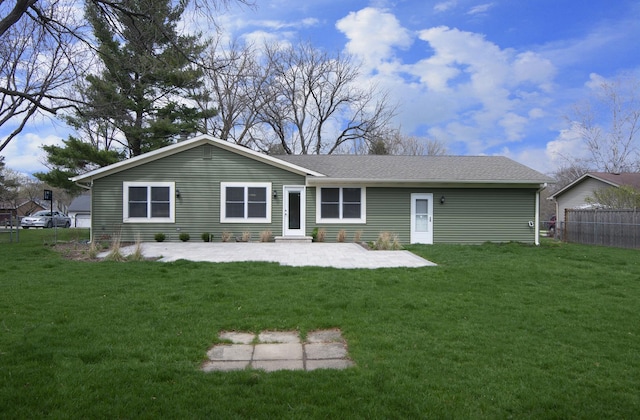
{"x": 494, "y": 331}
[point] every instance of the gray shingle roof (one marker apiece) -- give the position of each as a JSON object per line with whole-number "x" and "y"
{"x": 419, "y": 168}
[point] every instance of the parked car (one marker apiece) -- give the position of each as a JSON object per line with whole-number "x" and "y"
{"x": 44, "y": 219}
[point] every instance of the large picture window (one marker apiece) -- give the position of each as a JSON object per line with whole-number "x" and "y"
{"x": 341, "y": 205}
{"x": 245, "y": 202}
{"x": 148, "y": 202}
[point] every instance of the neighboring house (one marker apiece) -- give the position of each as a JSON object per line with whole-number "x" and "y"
{"x": 80, "y": 211}
{"x": 209, "y": 185}
{"x": 19, "y": 209}
{"x": 575, "y": 194}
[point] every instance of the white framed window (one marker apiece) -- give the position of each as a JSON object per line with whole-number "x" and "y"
{"x": 341, "y": 205}
{"x": 148, "y": 202}
{"x": 245, "y": 202}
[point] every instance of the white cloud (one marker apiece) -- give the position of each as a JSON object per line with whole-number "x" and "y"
{"x": 373, "y": 34}
{"x": 24, "y": 153}
{"x": 568, "y": 146}
{"x": 482, "y": 8}
{"x": 445, "y": 6}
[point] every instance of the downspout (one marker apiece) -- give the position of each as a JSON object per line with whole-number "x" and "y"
{"x": 536, "y": 228}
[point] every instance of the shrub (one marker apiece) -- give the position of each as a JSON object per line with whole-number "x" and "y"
{"x": 246, "y": 236}
{"x": 358, "y": 236}
{"x": 184, "y": 237}
{"x": 207, "y": 237}
{"x": 265, "y": 236}
{"x": 321, "y": 234}
{"x": 342, "y": 235}
{"x": 159, "y": 237}
{"x": 226, "y": 236}
{"x": 314, "y": 235}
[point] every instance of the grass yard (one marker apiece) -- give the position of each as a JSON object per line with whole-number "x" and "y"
{"x": 494, "y": 331}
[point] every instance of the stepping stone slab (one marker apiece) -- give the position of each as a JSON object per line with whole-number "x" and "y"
{"x": 237, "y": 337}
{"x": 325, "y": 351}
{"x": 229, "y": 352}
{"x": 283, "y": 351}
{"x": 224, "y": 366}
{"x": 329, "y": 364}
{"x": 273, "y": 365}
{"x": 324, "y": 336}
{"x": 279, "y": 337}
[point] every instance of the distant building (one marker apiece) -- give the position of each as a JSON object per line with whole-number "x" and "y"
{"x": 80, "y": 211}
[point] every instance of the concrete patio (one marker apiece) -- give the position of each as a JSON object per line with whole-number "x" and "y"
{"x": 337, "y": 255}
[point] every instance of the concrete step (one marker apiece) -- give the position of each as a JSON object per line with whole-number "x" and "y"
{"x": 294, "y": 239}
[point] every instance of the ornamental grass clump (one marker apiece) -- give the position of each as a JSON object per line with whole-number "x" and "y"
{"x": 116, "y": 253}
{"x": 137, "y": 255}
{"x": 387, "y": 241}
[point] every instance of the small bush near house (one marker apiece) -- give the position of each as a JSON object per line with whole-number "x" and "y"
{"x": 246, "y": 236}
{"x": 357, "y": 237}
{"x": 184, "y": 237}
{"x": 321, "y": 234}
{"x": 265, "y": 236}
{"x": 387, "y": 241}
{"x": 207, "y": 237}
{"x": 342, "y": 235}
{"x": 159, "y": 237}
{"x": 226, "y": 236}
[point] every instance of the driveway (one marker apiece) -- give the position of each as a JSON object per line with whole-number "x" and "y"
{"x": 337, "y": 255}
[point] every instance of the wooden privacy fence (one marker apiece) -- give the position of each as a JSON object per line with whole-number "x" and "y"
{"x": 619, "y": 228}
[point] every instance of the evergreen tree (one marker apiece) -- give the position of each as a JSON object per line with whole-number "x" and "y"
{"x": 148, "y": 76}
{"x": 75, "y": 157}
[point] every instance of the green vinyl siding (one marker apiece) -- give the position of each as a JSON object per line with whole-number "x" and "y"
{"x": 197, "y": 175}
{"x": 472, "y": 216}
{"x": 467, "y": 216}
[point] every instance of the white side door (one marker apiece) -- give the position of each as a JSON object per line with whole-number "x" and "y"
{"x": 293, "y": 211}
{"x": 421, "y": 218}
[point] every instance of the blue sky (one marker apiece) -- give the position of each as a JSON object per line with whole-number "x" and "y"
{"x": 483, "y": 77}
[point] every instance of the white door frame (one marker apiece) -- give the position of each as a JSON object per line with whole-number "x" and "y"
{"x": 286, "y": 189}
{"x": 422, "y": 236}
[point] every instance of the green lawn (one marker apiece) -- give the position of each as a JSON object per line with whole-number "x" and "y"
{"x": 494, "y": 331}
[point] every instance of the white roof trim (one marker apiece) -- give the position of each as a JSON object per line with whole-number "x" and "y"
{"x": 188, "y": 144}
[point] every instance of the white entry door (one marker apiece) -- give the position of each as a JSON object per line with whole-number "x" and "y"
{"x": 421, "y": 218}
{"x": 293, "y": 211}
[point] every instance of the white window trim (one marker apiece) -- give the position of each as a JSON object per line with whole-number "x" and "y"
{"x": 125, "y": 202}
{"x": 246, "y": 186}
{"x": 363, "y": 206}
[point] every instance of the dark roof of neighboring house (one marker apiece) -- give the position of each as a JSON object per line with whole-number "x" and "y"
{"x": 625, "y": 178}
{"x": 81, "y": 203}
{"x": 631, "y": 179}
{"x": 476, "y": 169}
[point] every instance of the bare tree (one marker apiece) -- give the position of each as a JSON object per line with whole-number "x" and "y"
{"x": 609, "y": 125}
{"x": 37, "y": 61}
{"x": 312, "y": 103}
{"x": 393, "y": 142}
{"x": 236, "y": 80}
{"x": 40, "y": 45}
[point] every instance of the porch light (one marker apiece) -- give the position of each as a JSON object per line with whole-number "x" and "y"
{"x": 275, "y": 194}
{"x": 177, "y": 193}
{"x": 442, "y": 200}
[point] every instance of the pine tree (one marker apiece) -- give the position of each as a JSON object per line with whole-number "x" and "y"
{"x": 148, "y": 76}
